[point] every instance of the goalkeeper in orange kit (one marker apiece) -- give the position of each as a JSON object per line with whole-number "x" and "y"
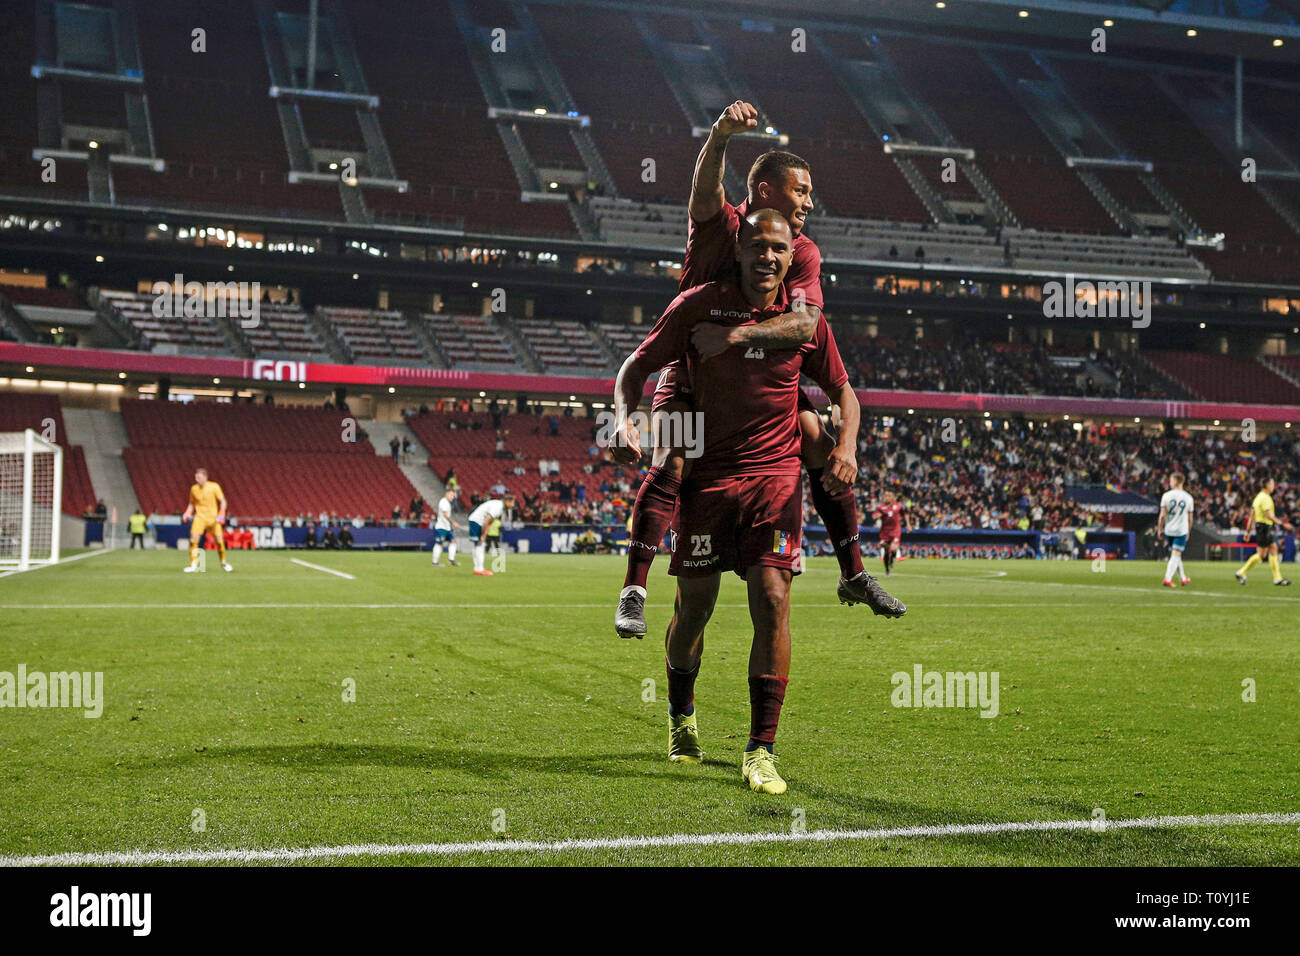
{"x": 206, "y": 512}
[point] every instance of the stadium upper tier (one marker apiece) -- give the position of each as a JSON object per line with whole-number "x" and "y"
{"x": 1011, "y": 155}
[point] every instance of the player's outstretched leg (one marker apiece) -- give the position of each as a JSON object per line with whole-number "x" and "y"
{"x": 839, "y": 513}
{"x": 193, "y": 566}
{"x": 652, "y": 513}
{"x": 769, "y": 670}
{"x": 683, "y": 650}
{"x": 451, "y": 553}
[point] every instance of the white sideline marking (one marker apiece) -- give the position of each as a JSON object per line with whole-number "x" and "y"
{"x": 75, "y": 557}
{"x": 497, "y": 604}
{"x": 317, "y": 567}
{"x": 290, "y": 855}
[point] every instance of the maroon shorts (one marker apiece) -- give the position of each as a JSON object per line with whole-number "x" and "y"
{"x": 732, "y": 524}
{"x": 895, "y": 539}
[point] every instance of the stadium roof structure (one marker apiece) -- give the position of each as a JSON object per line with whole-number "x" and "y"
{"x": 1247, "y": 28}
{"x": 1097, "y": 498}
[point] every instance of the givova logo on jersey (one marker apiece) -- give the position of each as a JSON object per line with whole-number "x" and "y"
{"x": 699, "y": 550}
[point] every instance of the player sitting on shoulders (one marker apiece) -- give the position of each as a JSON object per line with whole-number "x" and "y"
{"x": 479, "y": 519}
{"x": 1175, "y": 523}
{"x": 740, "y": 509}
{"x": 207, "y": 508}
{"x": 782, "y": 182}
{"x": 444, "y": 530}
{"x": 1265, "y": 522}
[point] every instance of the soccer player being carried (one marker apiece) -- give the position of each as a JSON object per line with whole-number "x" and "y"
{"x": 779, "y": 181}
{"x": 479, "y": 520}
{"x": 1265, "y": 522}
{"x": 741, "y": 504}
{"x": 206, "y": 513}
{"x": 1175, "y": 523}
{"x": 889, "y": 513}
{"x": 444, "y": 530}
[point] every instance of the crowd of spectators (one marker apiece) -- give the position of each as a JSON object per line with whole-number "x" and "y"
{"x": 1012, "y": 474}
{"x": 966, "y": 364}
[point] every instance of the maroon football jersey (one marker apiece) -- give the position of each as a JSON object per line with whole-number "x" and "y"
{"x": 748, "y": 396}
{"x": 890, "y": 519}
{"x": 711, "y": 256}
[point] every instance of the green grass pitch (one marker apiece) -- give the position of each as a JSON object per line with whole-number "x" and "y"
{"x": 510, "y": 701}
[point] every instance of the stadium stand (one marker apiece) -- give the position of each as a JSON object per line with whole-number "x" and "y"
{"x": 19, "y": 411}
{"x": 1012, "y": 471}
{"x": 1018, "y": 159}
{"x": 464, "y": 445}
{"x": 850, "y": 170}
{"x": 375, "y": 336}
{"x": 45, "y": 308}
{"x": 1225, "y": 378}
{"x": 283, "y": 330}
{"x": 602, "y": 76}
{"x": 470, "y": 342}
{"x": 187, "y": 332}
{"x": 272, "y": 462}
{"x": 443, "y": 143}
{"x": 563, "y": 346}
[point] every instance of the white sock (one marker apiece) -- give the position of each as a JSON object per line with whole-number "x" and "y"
{"x": 1182, "y": 572}
{"x": 437, "y": 553}
{"x": 479, "y": 551}
{"x": 1171, "y": 567}
{"x": 451, "y": 550}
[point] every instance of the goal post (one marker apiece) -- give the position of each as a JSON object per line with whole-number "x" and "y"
{"x": 31, "y": 500}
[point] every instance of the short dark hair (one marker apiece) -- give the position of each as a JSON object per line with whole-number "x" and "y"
{"x": 758, "y": 216}
{"x": 772, "y": 166}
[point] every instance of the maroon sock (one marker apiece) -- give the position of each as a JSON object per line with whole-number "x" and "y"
{"x": 651, "y": 515}
{"x": 681, "y": 689}
{"x": 839, "y": 512}
{"x": 766, "y": 695}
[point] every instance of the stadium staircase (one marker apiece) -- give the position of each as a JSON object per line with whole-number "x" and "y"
{"x": 553, "y": 80}
{"x": 334, "y": 344}
{"x": 416, "y": 469}
{"x": 691, "y": 73}
{"x": 1047, "y": 103}
{"x": 925, "y": 118}
{"x": 518, "y": 343}
{"x": 102, "y": 436}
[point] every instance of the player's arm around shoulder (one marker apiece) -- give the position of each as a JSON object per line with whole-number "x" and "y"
{"x": 666, "y": 342}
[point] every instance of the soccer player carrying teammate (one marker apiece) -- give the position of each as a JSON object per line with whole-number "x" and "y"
{"x": 479, "y": 519}
{"x": 741, "y": 504}
{"x": 444, "y": 531}
{"x": 890, "y": 514}
{"x": 1175, "y": 523}
{"x": 207, "y": 508}
{"x": 782, "y": 182}
{"x": 1265, "y": 522}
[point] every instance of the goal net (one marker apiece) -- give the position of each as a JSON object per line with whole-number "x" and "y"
{"x": 31, "y": 488}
